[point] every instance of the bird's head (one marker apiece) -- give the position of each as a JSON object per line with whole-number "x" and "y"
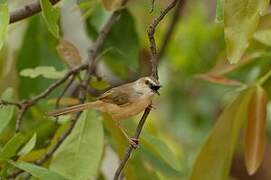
{"x": 148, "y": 85}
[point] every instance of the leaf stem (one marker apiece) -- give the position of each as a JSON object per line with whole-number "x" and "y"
{"x": 264, "y": 78}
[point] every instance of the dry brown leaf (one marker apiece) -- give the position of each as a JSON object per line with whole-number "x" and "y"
{"x": 111, "y": 5}
{"x": 255, "y": 137}
{"x": 69, "y": 53}
{"x": 219, "y": 79}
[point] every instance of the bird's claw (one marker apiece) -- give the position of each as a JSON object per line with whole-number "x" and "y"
{"x": 152, "y": 107}
{"x": 133, "y": 142}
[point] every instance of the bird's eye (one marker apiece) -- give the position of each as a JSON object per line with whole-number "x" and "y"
{"x": 147, "y": 82}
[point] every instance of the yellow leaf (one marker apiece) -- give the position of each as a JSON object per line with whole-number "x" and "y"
{"x": 4, "y": 19}
{"x": 255, "y": 138}
{"x": 111, "y": 5}
{"x": 241, "y": 18}
{"x": 213, "y": 161}
{"x": 219, "y": 79}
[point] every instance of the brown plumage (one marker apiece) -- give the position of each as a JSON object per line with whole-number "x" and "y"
{"x": 120, "y": 102}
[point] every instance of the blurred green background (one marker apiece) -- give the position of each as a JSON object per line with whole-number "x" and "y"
{"x": 185, "y": 112}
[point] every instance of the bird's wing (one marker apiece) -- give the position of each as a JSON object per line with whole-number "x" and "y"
{"x": 116, "y": 96}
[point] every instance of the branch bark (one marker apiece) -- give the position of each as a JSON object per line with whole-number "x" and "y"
{"x": 6, "y": 103}
{"x": 151, "y": 32}
{"x": 154, "y": 73}
{"x": 27, "y": 11}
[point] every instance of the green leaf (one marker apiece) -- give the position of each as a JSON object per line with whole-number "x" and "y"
{"x": 219, "y": 11}
{"x": 214, "y": 158}
{"x": 12, "y": 146}
{"x": 29, "y": 146}
{"x": 160, "y": 150}
{"x": 4, "y": 21}
{"x": 6, "y": 112}
{"x": 45, "y": 71}
{"x": 38, "y": 49}
{"x": 263, "y": 36}
{"x": 241, "y": 19}
{"x": 80, "y": 154}
{"x": 122, "y": 41}
{"x": 264, "y": 7}
{"x": 99, "y": 84}
{"x": 138, "y": 164}
{"x": 37, "y": 171}
{"x": 51, "y": 16}
{"x": 159, "y": 164}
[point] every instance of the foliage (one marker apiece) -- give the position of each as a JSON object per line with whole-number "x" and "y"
{"x": 4, "y": 19}
{"x": 84, "y": 148}
{"x": 214, "y": 101}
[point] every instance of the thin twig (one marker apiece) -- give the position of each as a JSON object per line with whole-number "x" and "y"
{"x": 170, "y": 30}
{"x": 64, "y": 91}
{"x": 151, "y": 31}
{"x": 154, "y": 73}
{"x": 27, "y": 11}
{"x": 6, "y": 103}
{"x": 19, "y": 118}
{"x": 152, "y": 5}
{"x": 71, "y": 72}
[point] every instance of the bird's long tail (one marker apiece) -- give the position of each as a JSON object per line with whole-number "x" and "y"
{"x": 74, "y": 109}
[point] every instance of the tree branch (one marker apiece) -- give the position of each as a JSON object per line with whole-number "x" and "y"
{"x": 6, "y": 103}
{"x": 151, "y": 31}
{"x": 25, "y": 104}
{"x": 154, "y": 73}
{"x": 27, "y": 11}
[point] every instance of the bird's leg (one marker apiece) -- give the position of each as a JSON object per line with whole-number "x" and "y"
{"x": 151, "y": 106}
{"x": 132, "y": 141}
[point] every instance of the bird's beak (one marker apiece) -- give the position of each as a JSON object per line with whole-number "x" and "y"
{"x": 155, "y": 88}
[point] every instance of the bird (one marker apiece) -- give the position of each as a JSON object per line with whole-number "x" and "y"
{"x": 120, "y": 102}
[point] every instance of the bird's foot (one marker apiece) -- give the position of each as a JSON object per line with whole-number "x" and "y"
{"x": 133, "y": 142}
{"x": 152, "y": 107}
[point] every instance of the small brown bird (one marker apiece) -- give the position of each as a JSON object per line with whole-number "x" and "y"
{"x": 120, "y": 102}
